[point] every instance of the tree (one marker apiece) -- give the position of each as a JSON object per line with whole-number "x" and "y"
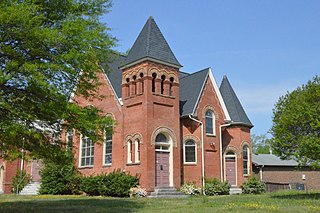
{"x": 260, "y": 144}
{"x": 48, "y": 48}
{"x": 296, "y": 124}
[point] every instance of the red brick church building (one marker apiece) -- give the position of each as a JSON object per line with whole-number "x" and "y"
{"x": 171, "y": 127}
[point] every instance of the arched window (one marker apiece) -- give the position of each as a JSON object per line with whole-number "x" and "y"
{"x": 108, "y": 147}
{"x": 129, "y": 160}
{"x": 246, "y": 162}
{"x": 170, "y": 88}
{"x": 210, "y": 123}
{"x": 163, "y": 78}
{"x": 154, "y": 75}
{"x": 137, "y": 151}
{"x": 128, "y": 87}
{"x": 69, "y": 139}
{"x": 162, "y": 142}
{"x": 134, "y": 84}
{"x": 87, "y": 152}
{"x": 190, "y": 155}
{"x": 142, "y": 83}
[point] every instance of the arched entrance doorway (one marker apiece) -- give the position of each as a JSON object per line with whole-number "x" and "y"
{"x": 1, "y": 178}
{"x": 230, "y": 168}
{"x": 163, "y": 161}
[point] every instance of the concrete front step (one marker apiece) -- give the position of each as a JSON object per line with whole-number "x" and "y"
{"x": 167, "y": 193}
{"x": 235, "y": 191}
{"x": 31, "y": 189}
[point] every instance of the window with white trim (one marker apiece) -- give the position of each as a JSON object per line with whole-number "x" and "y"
{"x": 190, "y": 154}
{"x": 129, "y": 146}
{"x": 210, "y": 123}
{"x": 137, "y": 151}
{"x": 108, "y": 148}
{"x": 87, "y": 152}
{"x": 69, "y": 139}
{"x": 246, "y": 162}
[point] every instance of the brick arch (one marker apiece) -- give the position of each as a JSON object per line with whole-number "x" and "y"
{"x": 194, "y": 138}
{"x": 231, "y": 149}
{"x": 138, "y": 136}
{"x": 175, "y": 77}
{"x": 209, "y": 107}
{"x": 154, "y": 70}
{"x": 133, "y": 137}
{"x": 166, "y": 131}
{"x": 142, "y": 70}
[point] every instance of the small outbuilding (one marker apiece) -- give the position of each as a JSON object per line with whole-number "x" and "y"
{"x": 284, "y": 174}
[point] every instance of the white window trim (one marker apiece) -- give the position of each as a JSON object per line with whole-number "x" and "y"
{"x": 129, "y": 151}
{"x": 137, "y": 152}
{"x": 213, "y": 123}
{"x": 184, "y": 153}
{"x": 104, "y": 150}
{"x": 80, "y": 154}
{"x": 248, "y": 161}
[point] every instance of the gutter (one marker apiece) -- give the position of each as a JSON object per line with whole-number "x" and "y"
{"x": 202, "y": 153}
{"x": 220, "y": 146}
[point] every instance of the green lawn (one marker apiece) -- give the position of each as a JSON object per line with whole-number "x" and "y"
{"x": 271, "y": 202}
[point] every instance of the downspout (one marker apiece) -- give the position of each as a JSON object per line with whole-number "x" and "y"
{"x": 261, "y": 171}
{"x": 223, "y": 125}
{"x": 202, "y": 154}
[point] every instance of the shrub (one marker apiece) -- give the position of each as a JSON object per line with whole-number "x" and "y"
{"x": 60, "y": 178}
{"x": 253, "y": 186}
{"x": 190, "y": 189}
{"x": 119, "y": 183}
{"x": 115, "y": 184}
{"x": 137, "y": 192}
{"x": 94, "y": 185}
{"x": 216, "y": 187}
{"x": 20, "y": 180}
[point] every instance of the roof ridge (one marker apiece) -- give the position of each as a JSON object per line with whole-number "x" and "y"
{"x": 148, "y": 34}
{"x": 190, "y": 74}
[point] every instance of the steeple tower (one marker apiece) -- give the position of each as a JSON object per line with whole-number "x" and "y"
{"x": 150, "y": 95}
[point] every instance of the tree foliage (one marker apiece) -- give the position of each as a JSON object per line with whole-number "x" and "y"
{"x": 296, "y": 124}
{"x": 260, "y": 144}
{"x": 48, "y": 48}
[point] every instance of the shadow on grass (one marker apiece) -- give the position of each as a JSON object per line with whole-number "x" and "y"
{"x": 72, "y": 205}
{"x": 313, "y": 195}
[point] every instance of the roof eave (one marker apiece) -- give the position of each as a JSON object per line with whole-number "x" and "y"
{"x": 178, "y": 66}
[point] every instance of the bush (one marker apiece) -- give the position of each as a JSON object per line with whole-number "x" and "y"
{"x": 20, "y": 180}
{"x": 115, "y": 184}
{"x": 119, "y": 183}
{"x": 216, "y": 187}
{"x": 94, "y": 185}
{"x": 60, "y": 178}
{"x": 190, "y": 189}
{"x": 253, "y": 186}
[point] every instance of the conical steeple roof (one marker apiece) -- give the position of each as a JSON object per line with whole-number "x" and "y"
{"x": 152, "y": 45}
{"x": 234, "y": 107}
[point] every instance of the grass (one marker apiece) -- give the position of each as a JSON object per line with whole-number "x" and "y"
{"x": 286, "y": 201}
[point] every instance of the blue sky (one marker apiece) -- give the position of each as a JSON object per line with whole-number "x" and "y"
{"x": 266, "y": 48}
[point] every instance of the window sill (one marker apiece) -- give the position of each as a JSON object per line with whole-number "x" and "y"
{"x": 210, "y": 135}
{"x": 85, "y": 167}
{"x": 190, "y": 163}
{"x": 246, "y": 175}
{"x": 106, "y": 165}
{"x": 133, "y": 164}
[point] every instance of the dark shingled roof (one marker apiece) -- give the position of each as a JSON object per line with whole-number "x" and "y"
{"x": 271, "y": 160}
{"x": 190, "y": 88}
{"x": 151, "y": 44}
{"x": 115, "y": 74}
{"x": 234, "y": 107}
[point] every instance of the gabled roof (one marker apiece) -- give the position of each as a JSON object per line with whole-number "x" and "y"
{"x": 151, "y": 45}
{"x": 114, "y": 73}
{"x": 234, "y": 107}
{"x": 271, "y": 160}
{"x": 190, "y": 88}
